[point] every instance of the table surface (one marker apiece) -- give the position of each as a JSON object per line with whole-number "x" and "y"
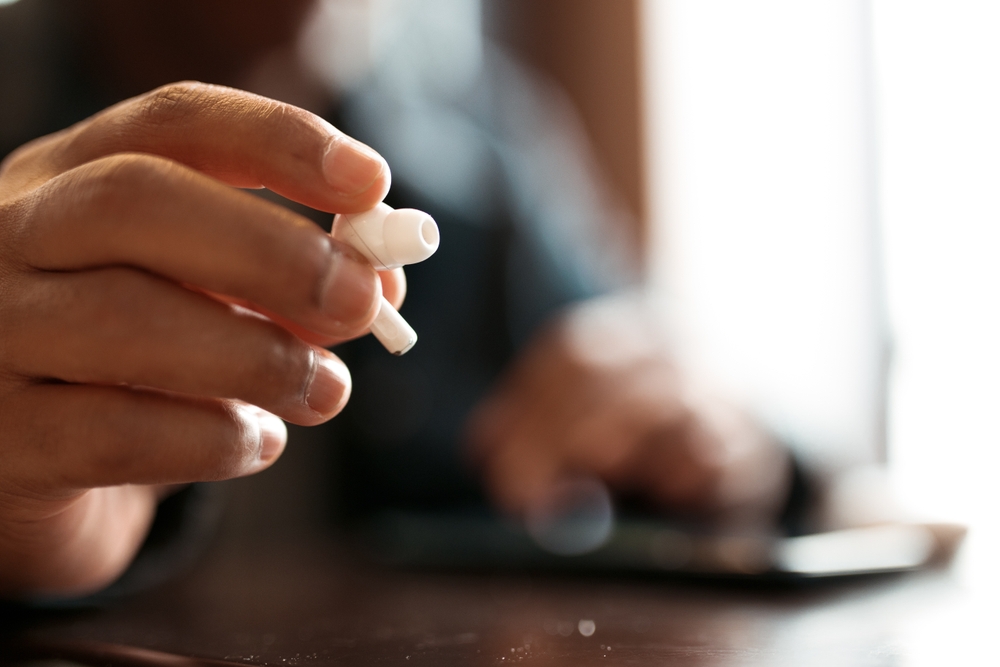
{"x": 308, "y": 604}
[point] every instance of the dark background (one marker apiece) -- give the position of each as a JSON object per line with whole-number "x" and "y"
{"x": 590, "y": 49}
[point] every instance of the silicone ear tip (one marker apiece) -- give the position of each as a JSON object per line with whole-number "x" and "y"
{"x": 410, "y": 236}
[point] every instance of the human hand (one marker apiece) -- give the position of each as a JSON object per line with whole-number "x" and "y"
{"x": 155, "y": 322}
{"x": 596, "y": 394}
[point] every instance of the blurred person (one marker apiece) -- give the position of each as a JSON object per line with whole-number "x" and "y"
{"x": 157, "y": 320}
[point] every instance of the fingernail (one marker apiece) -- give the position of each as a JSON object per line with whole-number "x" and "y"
{"x": 330, "y": 386}
{"x": 274, "y": 435}
{"x": 350, "y": 167}
{"x": 352, "y": 289}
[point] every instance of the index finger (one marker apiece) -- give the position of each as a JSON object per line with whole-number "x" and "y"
{"x": 240, "y": 138}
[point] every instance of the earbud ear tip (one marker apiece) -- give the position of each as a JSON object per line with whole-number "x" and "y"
{"x": 410, "y": 236}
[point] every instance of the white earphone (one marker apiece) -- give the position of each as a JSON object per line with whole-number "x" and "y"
{"x": 389, "y": 239}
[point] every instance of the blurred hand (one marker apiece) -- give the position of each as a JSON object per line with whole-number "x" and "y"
{"x": 154, "y": 319}
{"x": 597, "y": 395}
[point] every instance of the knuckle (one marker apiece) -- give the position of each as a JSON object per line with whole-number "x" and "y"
{"x": 173, "y": 103}
{"x": 15, "y": 159}
{"x": 114, "y": 185}
{"x": 119, "y": 176}
{"x": 110, "y": 188}
{"x": 27, "y": 155}
{"x": 136, "y": 122}
{"x": 112, "y": 304}
{"x": 281, "y": 361}
{"x": 14, "y": 224}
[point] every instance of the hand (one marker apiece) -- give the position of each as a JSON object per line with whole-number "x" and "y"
{"x": 154, "y": 319}
{"x": 596, "y": 394}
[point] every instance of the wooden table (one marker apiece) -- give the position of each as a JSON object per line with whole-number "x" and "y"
{"x": 307, "y": 604}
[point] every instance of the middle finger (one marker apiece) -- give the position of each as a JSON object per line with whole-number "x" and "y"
{"x": 154, "y": 214}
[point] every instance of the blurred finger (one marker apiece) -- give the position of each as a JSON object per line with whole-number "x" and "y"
{"x": 520, "y": 473}
{"x": 609, "y": 433}
{"x": 81, "y": 545}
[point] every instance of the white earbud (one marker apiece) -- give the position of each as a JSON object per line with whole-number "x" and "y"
{"x": 389, "y": 239}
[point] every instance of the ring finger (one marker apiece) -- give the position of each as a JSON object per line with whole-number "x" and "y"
{"x": 122, "y": 326}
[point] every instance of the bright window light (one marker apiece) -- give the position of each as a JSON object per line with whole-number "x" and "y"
{"x": 938, "y": 82}
{"x": 808, "y": 162}
{"x": 760, "y": 167}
